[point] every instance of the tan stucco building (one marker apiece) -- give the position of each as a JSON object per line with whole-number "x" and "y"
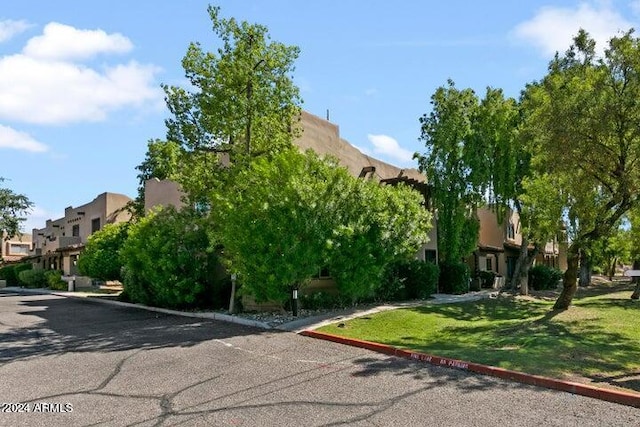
{"x": 323, "y": 137}
{"x": 14, "y": 248}
{"x": 162, "y": 192}
{"x": 499, "y": 245}
{"x": 58, "y": 245}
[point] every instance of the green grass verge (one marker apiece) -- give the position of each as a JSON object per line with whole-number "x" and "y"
{"x": 597, "y": 339}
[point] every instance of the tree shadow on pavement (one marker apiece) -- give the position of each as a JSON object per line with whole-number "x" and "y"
{"x": 465, "y": 381}
{"x": 47, "y": 325}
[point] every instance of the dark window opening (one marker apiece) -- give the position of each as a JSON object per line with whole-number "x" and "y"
{"x": 95, "y": 225}
{"x": 323, "y": 273}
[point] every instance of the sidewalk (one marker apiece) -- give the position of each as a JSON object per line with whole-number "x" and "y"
{"x": 315, "y": 322}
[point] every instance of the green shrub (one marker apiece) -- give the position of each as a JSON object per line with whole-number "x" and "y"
{"x": 421, "y": 278}
{"x": 486, "y": 279}
{"x": 392, "y": 286}
{"x": 7, "y": 273}
{"x": 168, "y": 262}
{"x": 542, "y": 277}
{"x": 21, "y": 267}
{"x": 454, "y": 278}
{"x": 33, "y": 278}
{"x": 100, "y": 258}
{"x": 54, "y": 280}
{"x": 287, "y": 216}
{"x": 405, "y": 280}
{"x": 10, "y": 273}
{"x": 322, "y": 300}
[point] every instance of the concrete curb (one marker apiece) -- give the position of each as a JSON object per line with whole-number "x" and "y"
{"x": 212, "y": 316}
{"x": 615, "y": 396}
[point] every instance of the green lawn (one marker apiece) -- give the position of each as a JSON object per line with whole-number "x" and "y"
{"x": 597, "y": 339}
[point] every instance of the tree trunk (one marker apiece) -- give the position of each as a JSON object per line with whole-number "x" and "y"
{"x": 636, "y": 280}
{"x": 232, "y": 299}
{"x": 523, "y": 264}
{"x": 516, "y": 279}
{"x": 585, "y": 269}
{"x": 569, "y": 282}
{"x": 612, "y": 268}
{"x": 524, "y": 270}
{"x": 636, "y": 291}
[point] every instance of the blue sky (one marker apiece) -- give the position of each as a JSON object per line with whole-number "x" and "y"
{"x": 80, "y": 81}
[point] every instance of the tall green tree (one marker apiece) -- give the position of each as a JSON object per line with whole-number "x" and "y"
{"x": 241, "y": 103}
{"x": 476, "y": 155}
{"x": 457, "y": 188}
{"x": 612, "y": 250}
{"x": 583, "y": 120}
{"x": 13, "y": 210}
{"x": 502, "y": 163}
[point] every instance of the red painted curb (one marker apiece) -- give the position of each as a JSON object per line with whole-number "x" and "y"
{"x": 621, "y": 397}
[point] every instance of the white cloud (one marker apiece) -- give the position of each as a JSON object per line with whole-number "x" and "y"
{"x": 59, "y": 41}
{"x": 388, "y": 146}
{"x": 44, "y": 90}
{"x": 9, "y": 28}
{"x": 552, "y": 29}
{"x": 13, "y": 139}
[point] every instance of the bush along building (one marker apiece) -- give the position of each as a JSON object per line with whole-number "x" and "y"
{"x": 58, "y": 245}
{"x": 323, "y": 137}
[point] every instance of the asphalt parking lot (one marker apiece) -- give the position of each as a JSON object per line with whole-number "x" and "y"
{"x": 75, "y": 362}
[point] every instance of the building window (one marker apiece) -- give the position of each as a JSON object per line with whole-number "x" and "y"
{"x": 489, "y": 264}
{"x": 430, "y": 256}
{"x": 95, "y": 225}
{"x": 323, "y": 273}
{"x": 19, "y": 249}
{"x": 75, "y": 230}
{"x": 511, "y": 231}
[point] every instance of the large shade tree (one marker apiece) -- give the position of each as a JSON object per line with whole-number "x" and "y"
{"x": 241, "y": 103}
{"x": 582, "y": 119}
{"x": 457, "y": 188}
{"x": 475, "y": 156}
{"x": 13, "y": 210}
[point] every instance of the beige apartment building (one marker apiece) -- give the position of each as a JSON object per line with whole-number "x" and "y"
{"x": 58, "y": 245}
{"x": 323, "y": 137}
{"x": 499, "y": 245}
{"x": 14, "y": 249}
